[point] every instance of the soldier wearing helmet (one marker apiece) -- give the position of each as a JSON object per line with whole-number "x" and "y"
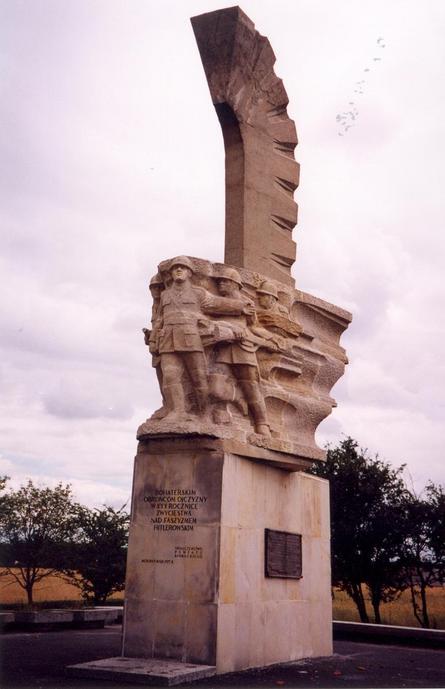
{"x": 156, "y": 287}
{"x": 156, "y": 282}
{"x": 240, "y": 354}
{"x": 151, "y": 337}
{"x": 268, "y": 298}
{"x": 180, "y": 316}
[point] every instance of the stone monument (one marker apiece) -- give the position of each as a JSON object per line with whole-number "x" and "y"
{"x": 229, "y": 559}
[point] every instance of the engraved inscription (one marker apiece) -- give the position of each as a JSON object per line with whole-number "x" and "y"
{"x": 189, "y": 551}
{"x": 283, "y": 554}
{"x": 175, "y": 509}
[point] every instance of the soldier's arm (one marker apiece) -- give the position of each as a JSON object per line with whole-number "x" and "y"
{"x": 220, "y": 306}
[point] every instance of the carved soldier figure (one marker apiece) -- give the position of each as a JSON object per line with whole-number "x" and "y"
{"x": 268, "y": 298}
{"x": 181, "y": 315}
{"x": 240, "y": 355}
{"x": 151, "y": 337}
{"x": 274, "y": 316}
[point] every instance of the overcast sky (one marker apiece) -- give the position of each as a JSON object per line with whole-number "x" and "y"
{"x": 112, "y": 159}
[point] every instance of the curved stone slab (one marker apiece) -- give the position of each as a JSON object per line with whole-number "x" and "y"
{"x": 259, "y": 138}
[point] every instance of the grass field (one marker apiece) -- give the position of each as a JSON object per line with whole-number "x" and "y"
{"x": 51, "y": 588}
{"x": 399, "y": 612}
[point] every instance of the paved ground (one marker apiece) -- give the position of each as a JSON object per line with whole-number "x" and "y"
{"x": 37, "y": 661}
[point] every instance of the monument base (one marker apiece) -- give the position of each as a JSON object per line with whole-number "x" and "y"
{"x": 198, "y": 589}
{"x": 228, "y": 564}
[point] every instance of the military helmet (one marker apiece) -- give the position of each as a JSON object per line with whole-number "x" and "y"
{"x": 182, "y": 261}
{"x": 226, "y": 273}
{"x": 268, "y": 288}
{"x": 156, "y": 280}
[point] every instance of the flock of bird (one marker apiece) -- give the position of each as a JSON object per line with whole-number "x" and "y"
{"x": 347, "y": 119}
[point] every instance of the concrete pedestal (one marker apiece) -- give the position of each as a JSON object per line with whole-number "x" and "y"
{"x": 196, "y": 589}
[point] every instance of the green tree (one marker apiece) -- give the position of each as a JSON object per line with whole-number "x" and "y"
{"x": 368, "y": 521}
{"x": 436, "y": 498}
{"x": 423, "y": 550}
{"x": 3, "y": 482}
{"x": 35, "y": 525}
{"x": 98, "y": 553}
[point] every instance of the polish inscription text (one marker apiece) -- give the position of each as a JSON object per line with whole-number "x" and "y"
{"x": 175, "y": 509}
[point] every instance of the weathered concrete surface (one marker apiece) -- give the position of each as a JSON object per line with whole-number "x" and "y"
{"x": 142, "y": 671}
{"x": 53, "y": 618}
{"x": 44, "y": 616}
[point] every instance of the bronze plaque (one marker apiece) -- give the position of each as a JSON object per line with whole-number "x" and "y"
{"x": 283, "y": 557}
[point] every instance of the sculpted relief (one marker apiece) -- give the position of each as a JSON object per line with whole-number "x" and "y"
{"x": 233, "y": 358}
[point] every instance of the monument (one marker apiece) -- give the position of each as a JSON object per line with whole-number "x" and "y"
{"x": 229, "y": 559}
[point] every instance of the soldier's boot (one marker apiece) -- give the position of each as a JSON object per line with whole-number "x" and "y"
{"x": 174, "y": 402}
{"x": 257, "y": 407}
{"x": 260, "y": 418}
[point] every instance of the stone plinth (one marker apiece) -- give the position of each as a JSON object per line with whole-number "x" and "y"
{"x": 196, "y": 589}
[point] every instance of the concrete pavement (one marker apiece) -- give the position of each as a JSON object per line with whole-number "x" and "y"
{"x": 38, "y": 660}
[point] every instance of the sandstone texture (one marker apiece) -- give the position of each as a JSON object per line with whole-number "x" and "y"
{"x": 259, "y": 138}
{"x": 241, "y": 356}
{"x": 196, "y": 589}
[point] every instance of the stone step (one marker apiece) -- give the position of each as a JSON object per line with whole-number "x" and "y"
{"x": 142, "y": 671}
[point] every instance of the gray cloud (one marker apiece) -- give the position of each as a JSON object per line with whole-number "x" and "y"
{"x": 113, "y": 160}
{"x": 86, "y": 399}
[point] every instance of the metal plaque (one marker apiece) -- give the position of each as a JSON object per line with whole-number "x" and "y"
{"x": 283, "y": 557}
